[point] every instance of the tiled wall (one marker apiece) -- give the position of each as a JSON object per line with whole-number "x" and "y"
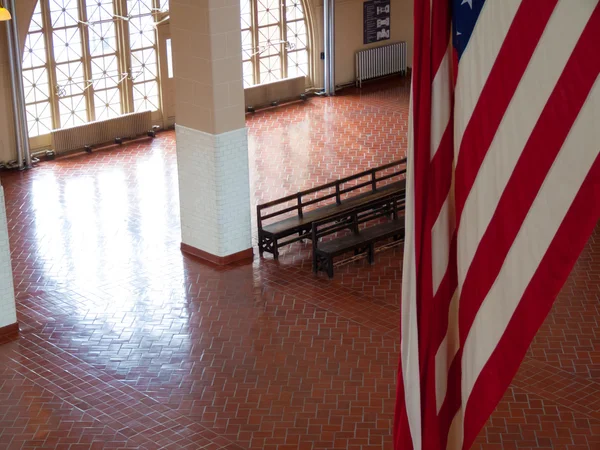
{"x": 214, "y": 189}
{"x": 8, "y": 315}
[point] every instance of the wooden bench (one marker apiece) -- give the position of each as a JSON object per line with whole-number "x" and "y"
{"x": 357, "y": 230}
{"x": 381, "y": 182}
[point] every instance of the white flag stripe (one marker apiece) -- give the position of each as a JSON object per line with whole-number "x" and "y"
{"x": 538, "y": 82}
{"x": 440, "y": 111}
{"x": 446, "y": 352}
{"x": 535, "y": 236}
{"x": 455, "y": 434}
{"x": 409, "y": 347}
{"x": 478, "y": 59}
{"x": 441, "y": 234}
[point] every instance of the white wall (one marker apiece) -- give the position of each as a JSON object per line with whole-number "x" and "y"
{"x": 8, "y": 315}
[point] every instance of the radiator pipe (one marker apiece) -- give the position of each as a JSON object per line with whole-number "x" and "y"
{"x": 16, "y": 83}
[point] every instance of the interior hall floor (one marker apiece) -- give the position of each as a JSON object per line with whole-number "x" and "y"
{"x": 127, "y": 343}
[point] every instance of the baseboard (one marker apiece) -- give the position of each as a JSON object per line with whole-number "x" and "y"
{"x": 9, "y": 331}
{"x": 218, "y": 260}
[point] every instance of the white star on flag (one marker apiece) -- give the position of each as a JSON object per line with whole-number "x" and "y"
{"x": 470, "y": 2}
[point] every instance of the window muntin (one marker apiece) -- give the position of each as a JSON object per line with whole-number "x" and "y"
{"x": 275, "y": 42}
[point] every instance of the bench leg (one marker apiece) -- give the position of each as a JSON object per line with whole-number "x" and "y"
{"x": 330, "y": 268}
{"x": 371, "y": 253}
{"x": 275, "y": 249}
{"x": 315, "y": 263}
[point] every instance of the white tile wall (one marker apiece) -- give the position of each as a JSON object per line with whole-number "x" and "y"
{"x": 214, "y": 190}
{"x": 8, "y": 314}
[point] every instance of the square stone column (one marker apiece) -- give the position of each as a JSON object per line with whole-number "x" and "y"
{"x": 8, "y": 311}
{"x": 212, "y": 146}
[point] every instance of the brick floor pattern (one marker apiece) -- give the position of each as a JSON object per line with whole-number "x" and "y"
{"x": 127, "y": 343}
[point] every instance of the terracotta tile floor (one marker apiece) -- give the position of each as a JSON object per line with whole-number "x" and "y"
{"x": 126, "y": 343}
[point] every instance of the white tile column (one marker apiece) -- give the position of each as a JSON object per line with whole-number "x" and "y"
{"x": 212, "y": 146}
{"x": 8, "y": 312}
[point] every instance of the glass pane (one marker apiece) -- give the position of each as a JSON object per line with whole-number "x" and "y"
{"x": 142, "y": 32}
{"x": 139, "y": 7}
{"x": 298, "y": 63}
{"x": 69, "y": 79}
{"x": 34, "y": 54}
{"x": 143, "y": 65}
{"x": 64, "y": 13}
{"x": 247, "y": 47}
{"x": 72, "y": 111}
{"x": 36, "y": 20}
{"x": 269, "y": 41}
{"x": 99, "y": 10}
{"x": 39, "y": 119}
{"x": 248, "y": 67}
{"x": 169, "y": 59}
{"x": 103, "y": 40}
{"x": 145, "y": 96}
{"x": 107, "y": 103}
{"x": 296, "y": 35}
{"x": 105, "y": 72}
{"x": 35, "y": 85}
{"x": 164, "y": 5}
{"x": 67, "y": 45}
{"x": 245, "y": 16}
{"x": 268, "y": 12}
{"x": 294, "y": 10}
{"x": 270, "y": 69}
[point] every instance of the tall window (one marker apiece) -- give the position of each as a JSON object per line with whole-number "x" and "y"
{"x": 275, "y": 42}
{"x": 88, "y": 60}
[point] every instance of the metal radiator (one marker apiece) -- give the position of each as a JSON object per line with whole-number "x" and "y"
{"x": 381, "y": 61}
{"x": 101, "y": 132}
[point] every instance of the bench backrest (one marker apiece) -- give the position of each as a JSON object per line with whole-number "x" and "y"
{"x": 376, "y": 178}
{"x": 352, "y": 220}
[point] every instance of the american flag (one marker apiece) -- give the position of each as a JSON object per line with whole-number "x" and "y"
{"x": 503, "y": 193}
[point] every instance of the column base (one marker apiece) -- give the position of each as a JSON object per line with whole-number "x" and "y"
{"x": 245, "y": 255}
{"x": 9, "y": 331}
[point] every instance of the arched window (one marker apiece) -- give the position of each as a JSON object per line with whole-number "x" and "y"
{"x": 89, "y": 60}
{"x": 275, "y": 40}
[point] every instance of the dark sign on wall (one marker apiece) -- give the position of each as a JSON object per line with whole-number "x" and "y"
{"x": 377, "y": 21}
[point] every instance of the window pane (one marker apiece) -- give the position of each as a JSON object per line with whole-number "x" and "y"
{"x": 143, "y": 65}
{"x": 142, "y": 32}
{"x": 67, "y": 45}
{"x": 294, "y": 10}
{"x": 99, "y": 10}
{"x": 139, "y": 7}
{"x": 164, "y": 5}
{"x": 145, "y": 96}
{"x": 70, "y": 79}
{"x": 248, "y": 67}
{"x": 72, "y": 111}
{"x": 270, "y": 69}
{"x": 298, "y": 63}
{"x": 63, "y": 13}
{"x": 108, "y": 104}
{"x": 245, "y": 17}
{"x": 39, "y": 119}
{"x": 35, "y": 85}
{"x": 102, "y": 38}
{"x": 36, "y": 21}
{"x": 268, "y": 12}
{"x": 169, "y": 59}
{"x": 247, "y": 47}
{"x": 105, "y": 72}
{"x": 34, "y": 54}
{"x": 269, "y": 39}
{"x": 296, "y": 35}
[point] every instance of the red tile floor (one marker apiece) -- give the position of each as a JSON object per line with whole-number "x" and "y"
{"x": 126, "y": 343}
